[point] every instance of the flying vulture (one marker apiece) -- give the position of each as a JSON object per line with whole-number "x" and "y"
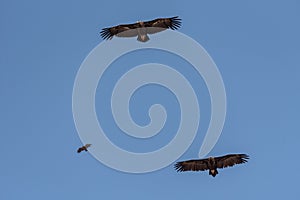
{"x": 141, "y": 29}
{"x": 211, "y": 163}
{"x": 83, "y": 148}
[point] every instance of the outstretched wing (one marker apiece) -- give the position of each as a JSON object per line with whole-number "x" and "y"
{"x": 124, "y": 30}
{"x": 230, "y": 160}
{"x": 172, "y": 23}
{"x": 87, "y": 145}
{"x": 161, "y": 24}
{"x": 192, "y": 165}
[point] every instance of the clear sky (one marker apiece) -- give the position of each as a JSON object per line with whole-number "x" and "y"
{"x": 255, "y": 46}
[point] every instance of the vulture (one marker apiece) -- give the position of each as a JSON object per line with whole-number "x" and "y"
{"x": 83, "y": 148}
{"x": 211, "y": 163}
{"x": 141, "y": 29}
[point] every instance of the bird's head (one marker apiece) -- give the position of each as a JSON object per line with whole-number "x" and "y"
{"x": 211, "y": 159}
{"x": 141, "y": 23}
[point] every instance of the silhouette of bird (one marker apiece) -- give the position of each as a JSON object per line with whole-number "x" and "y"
{"x": 211, "y": 163}
{"x": 141, "y": 29}
{"x": 83, "y": 148}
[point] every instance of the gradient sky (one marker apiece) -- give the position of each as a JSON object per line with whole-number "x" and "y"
{"x": 255, "y": 46}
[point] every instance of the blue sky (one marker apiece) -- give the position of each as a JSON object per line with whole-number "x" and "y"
{"x": 255, "y": 46}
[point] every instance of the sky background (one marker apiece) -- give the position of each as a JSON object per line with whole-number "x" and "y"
{"x": 255, "y": 46}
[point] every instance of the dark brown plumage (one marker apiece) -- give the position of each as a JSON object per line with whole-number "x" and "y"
{"x": 141, "y": 29}
{"x": 211, "y": 163}
{"x": 83, "y": 148}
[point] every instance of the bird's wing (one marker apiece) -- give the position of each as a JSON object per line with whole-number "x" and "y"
{"x": 230, "y": 160}
{"x": 191, "y": 165}
{"x": 161, "y": 24}
{"x": 87, "y": 145}
{"x": 124, "y": 30}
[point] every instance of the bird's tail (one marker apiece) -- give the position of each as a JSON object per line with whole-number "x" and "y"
{"x": 213, "y": 172}
{"x": 143, "y": 38}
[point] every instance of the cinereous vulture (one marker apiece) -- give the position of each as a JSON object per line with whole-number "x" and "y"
{"x": 83, "y": 148}
{"x": 141, "y": 29}
{"x": 211, "y": 163}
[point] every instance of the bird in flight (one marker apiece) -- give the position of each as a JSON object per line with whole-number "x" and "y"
{"x": 83, "y": 148}
{"x": 141, "y": 29}
{"x": 211, "y": 163}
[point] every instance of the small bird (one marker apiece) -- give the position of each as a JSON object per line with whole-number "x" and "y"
{"x": 211, "y": 163}
{"x": 83, "y": 148}
{"x": 141, "y": 29}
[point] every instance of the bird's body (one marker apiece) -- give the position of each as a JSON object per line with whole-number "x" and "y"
{"x": 83, "y": 148}
{"x": 142, "y": 33}
{"x": 212, "y": 166}
{"x": 212, "y": 163}
{"x": 141, "y": 29}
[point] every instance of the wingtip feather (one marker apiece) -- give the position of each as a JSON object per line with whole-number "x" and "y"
{"x": 178, "y": 167}
{"x": 105, "y": 34}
